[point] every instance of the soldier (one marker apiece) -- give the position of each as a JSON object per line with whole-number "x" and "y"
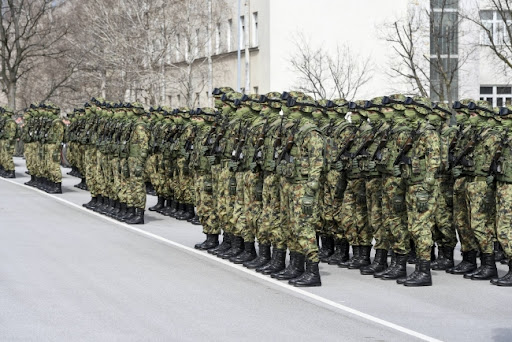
{"x": 503, "y": 171}
{"x": 419, "y": 165}
{"x": 9, "y": 132}
{"x": 302, "y": 168}
{"x": 52, "y": 149}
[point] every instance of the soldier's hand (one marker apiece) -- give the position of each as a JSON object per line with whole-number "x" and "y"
{"x": 489, "y": 180}
{"x": 396, "y": 171}
{"x": 456, "y": 172}
{"x": 371, "y": 165}
{"x": 422, "y": 198}
{"x": 307, "y": 205}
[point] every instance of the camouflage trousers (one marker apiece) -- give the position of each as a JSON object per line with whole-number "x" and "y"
{"x": 303, "y": 225}
{"x": 354, "y": 214}
{"x": 90, "y": 170}
{"x": 101, "y": 171}
{"x": 124, "y": 177}
{"x": 71, "y": 153}
{"x": 205, "y": 203}
{"x": 287, "y": 237}
{"x": 444, "y": 232}
{"x": 136, "y": 188}
{"x": 461, "y": 218}
{"x": 482, "y": 210}
{"x": 116, "y": 177}
{"x": 7, "y": 148}
{"x": 332, "y": 204}
{"x": 269, "y": 222}
{"x": 238, "y": 219}
{"x": 504, "y": 217}
{"x": 394, "y": 214}
{"x": 374, "y": 205}
{"x": 421, "y": 208}
{"x": 185, "y": 183}
{"x": 253, "y": 192}
{"x": 225, "y": 200}
{"x": 30, "y": 157}
{"x": 52, "y": 162}
{"x": 151, "y": 169}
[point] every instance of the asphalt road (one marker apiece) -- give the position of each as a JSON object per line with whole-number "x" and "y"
{"x": 69, "y": 274}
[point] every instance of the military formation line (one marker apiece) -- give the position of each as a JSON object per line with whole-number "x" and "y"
{"x": 311, "y": 178}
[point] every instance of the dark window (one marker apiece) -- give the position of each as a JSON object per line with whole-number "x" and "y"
{"x": 444, "y": 33}
{"x": 504, "y": 90}
{"x": 438, "y": 89}
{"x": 508, "y": 101}
{"x": 486, "y": 90}
{"x": 486, "y": 15}
{"x": 499, "y": 102}
{"x": 444, "y": 3}
{"x": 489, "y": 99}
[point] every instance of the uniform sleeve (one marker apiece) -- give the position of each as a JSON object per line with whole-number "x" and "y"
{"x": 315, "y": 152}
{"x": 432, "y": 153}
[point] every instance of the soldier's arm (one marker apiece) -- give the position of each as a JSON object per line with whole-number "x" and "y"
{"x": 315, "y": 152}
{"x": 432, "y": 155}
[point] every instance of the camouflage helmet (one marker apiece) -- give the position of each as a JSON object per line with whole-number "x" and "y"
{"x": 273, "y": 99}
{"x": 207, "y": 113}
{"x": 254, "y": 102}
{"x": 395, "y": 101}
{"x": 441, "y": 109}
{"x": 184, "y": 112}
{"x": 505, "y": 112}
{"x": 218, "y": 92}
{"x": 340, "y": 106}
{"x": 462, "y": 105}
{"x": 482, "y": 108}
{"x": 138, "y": 108}
{"x": 421, "y": 105}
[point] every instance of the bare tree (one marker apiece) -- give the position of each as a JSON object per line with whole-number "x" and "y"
{"x": 497, "y": 36}
{"x": 28, "y": 32}
{"x": 325, "y": 75}
{"x": 432, "y": 71}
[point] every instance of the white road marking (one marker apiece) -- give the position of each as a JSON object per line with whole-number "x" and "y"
{"x": 240, "y": 268}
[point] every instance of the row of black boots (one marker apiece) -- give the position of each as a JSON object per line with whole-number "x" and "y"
{"x": 44, "y": 184}
{"x": 7, "y": 173}
{"x": 116, "y": 210}
{"x": 175, "y": 209}
{"x": 300, "y": 271}
{"x": 335, "y": 252}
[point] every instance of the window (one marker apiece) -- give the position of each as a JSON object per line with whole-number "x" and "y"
{"x": 444, "y": 33}
{"x": 242, "y": 33}
{"x": 256, "y": 90}
{"x": 228, "y": 37}
{"x": 196, "y": 43}
{"x": 446, "y": 4}
{"x": 255, "y": 29}
{"x": 242, "y": 90}
{"x": 178, "y": 97}
{"x": 450, "y": 66}
{"x": 169, "y": 99}
{"x": 497, "y": 96}
{"x": 198, "y": 99}
{"x": 493, "y": 23}
{"x": 217, "y": 39}
{"x": 178, "y": 47}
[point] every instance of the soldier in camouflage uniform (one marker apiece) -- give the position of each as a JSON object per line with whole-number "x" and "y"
{"x": 503, "y": 171}
{"x": 52, "y": 150}
{"x": 394, "y": 211}
{"x": 302, "y": 169}
{"x": 480, "y": 188}
{"x": 418, "y": 167}
{"x": 9, "y": 132}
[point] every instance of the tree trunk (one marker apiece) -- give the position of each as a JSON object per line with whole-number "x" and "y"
{"x": 11, "y": 95}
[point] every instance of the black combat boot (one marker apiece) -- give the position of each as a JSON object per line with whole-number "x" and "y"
{"x": 99, "y": 203}
{"x": 188, "y": 212}
{"x": 196, "y": 220}
{"x": 356, "y": 251}
{"x": 488, "y": 270}
{"x": 363, "y": 260}
{"x": 412, "y": 254}
{"x": 31, "y": 181}
{"x": 445, "y": 260}
{"x": 166, "y": 208}
{"x": 130, "y": 213}
{"x": 499, "y": 254}
{"x": 399, "y": 269}
{"x": 422, "y": 276}
{"x": 212, "y": 241}
{"x": 180, "y": 208}
{"x": 506, "y": 280}
{"x": 115, "y": 209}
{"x": 173, "y": 208}
{"x": 105, "y": 207}
{"x": 224, "y": 246}
{"x": 194, "y": 214}
{"x": 387, "y": 269}
{"x": 248, "y": 254}
{"x": 10, "y": 174}
{"x": 91, "y": 203}
{"x": 341, "y": 249}
{"x": 327, "y": 248}
{"x": 158, "y": 205}
{"x": 137, "y": 218}
{"x": 311, "y": 277}
{"x": 55, "y": 188}
{"x": 468, "y": 264}
{"x": 276, "y": 264}
{"x": 237, "y": 247}
{"x": 262, "y": 259}
{"x": 379, "y": 263}
{"x": 123, "y": 209}
{"x": 295, "y": 267}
